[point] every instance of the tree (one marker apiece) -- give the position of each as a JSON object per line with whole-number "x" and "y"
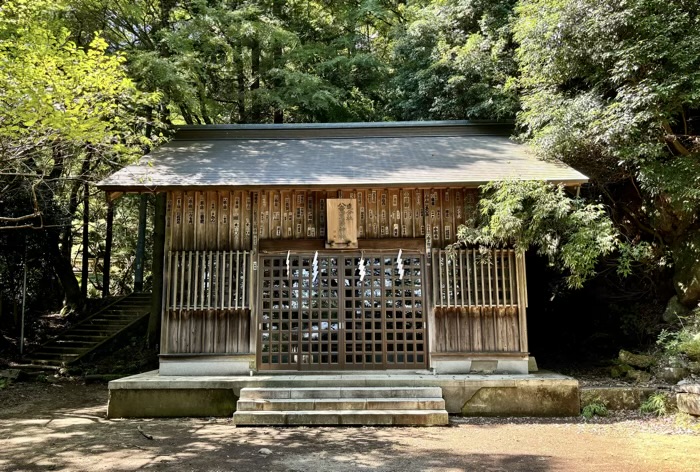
{"x": 613, "y": 89}
{"x": 68, "y": 115}
{"x": 454, "y": 59}
{"x": 227, "y": 61}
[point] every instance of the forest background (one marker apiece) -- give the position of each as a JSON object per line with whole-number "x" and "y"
{"x": 610, "y": 88}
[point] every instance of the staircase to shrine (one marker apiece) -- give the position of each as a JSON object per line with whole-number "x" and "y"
{"x": 295, "y": 406}
{"x": 93, "y": 332}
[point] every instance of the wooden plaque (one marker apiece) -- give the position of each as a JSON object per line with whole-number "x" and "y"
{"x": 342, "y": 223}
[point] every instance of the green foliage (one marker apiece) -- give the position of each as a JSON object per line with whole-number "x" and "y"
{"x": 222, "y": 62}
{"x": 657, "y": 404}
{"x": 454, "y": 60}
{"x": 58, "y": 99}
{"x": 613, "y": 89}
{"x": 242, "y": 62}
{"x": 596, "y": 407}
{"x": 69, "y": 115}
{"x": 573, "y": 234}
{"x": 684, "y": 339}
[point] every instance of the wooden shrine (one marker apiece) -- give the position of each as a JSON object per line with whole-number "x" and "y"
{"x": 322, "y": 247}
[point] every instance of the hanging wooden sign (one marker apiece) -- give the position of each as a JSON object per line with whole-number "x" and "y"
{"x": 342, "y": 223}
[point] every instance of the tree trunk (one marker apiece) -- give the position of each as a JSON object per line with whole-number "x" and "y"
{"x": 201, "y": 96}
{"x": 64, "y": 271}
{"x": 686, "y": 277}
{"x": 255, "y": 86}
{"x": 240, "y": 86}
{"x": 278, "y": 116}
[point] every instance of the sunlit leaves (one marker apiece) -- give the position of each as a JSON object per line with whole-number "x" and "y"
{"x": 454, "y": 60}
{"x": 572, "y": 234}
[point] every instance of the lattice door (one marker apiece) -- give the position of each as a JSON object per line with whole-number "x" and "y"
{"x": 325, "y": 317}
{"x": 384, "y": 321}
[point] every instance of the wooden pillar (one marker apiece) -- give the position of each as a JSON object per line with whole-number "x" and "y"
{"x": 140, "y": 245}
{"x": 85, "y": 271}
{"x": 521, "y": 281}
{"x": 108, "y": 248}
{"x": 154, "y": 320}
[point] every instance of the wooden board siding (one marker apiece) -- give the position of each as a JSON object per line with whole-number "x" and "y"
{"x": 475, "y": 303}
{"x": 478, "y": 299}
{"x": 206, "y": 331}
{"x": 236, "y": 220}
{"x": 476, "y": 329}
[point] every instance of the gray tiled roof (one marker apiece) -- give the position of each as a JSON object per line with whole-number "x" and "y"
{"x": 227, "y": 156}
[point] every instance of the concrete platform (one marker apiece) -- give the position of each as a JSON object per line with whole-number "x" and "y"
{"x": 537, "y": 394}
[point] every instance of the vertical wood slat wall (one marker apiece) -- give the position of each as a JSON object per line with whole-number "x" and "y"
{"x": 208, "y": 280}
{"x": 207, "y": 302}
{"x": 227, "y": 220}
{"x": 478, "y": 298}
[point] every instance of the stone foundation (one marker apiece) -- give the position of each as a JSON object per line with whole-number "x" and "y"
{"x": 174, "y": 365}
{"x": 170, "y": 403}
{"x": 468, "y": 364}
{"x": 153, "y": 395}
{"x": 617, "y": 398}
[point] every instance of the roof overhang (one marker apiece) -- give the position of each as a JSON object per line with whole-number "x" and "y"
{"x": 356, "y": 155}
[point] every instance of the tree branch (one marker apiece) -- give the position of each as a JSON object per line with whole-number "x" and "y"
{"x": 7, "y": 219}
{"x": 673, "y": 139}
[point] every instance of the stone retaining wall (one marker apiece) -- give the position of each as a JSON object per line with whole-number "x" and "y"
{"x": 688, "y": 399}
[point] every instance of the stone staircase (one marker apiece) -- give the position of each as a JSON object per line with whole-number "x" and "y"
{"x": 405, "y": 406}
{"x": 91, "y": 333}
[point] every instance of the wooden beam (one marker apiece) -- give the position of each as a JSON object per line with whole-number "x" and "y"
{"x": 407, "y": 244}
{"x": 154, "y": 321}
{"x": 140, "y": 245}
{"x": 85, "y": 270}
{"x": 108, "y": 249}
{"x": 114, "y": 195}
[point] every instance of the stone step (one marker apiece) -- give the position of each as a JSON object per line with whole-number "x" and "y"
{"x": 327, "y": 404}
{"x": 51, "y": 356}
{"x": 110, "y": 321}
{"x": 339, "y": 392}
{"x": 95, "y": 331}
{"x": 85, "y": 337}
{"x": 132, "y": 315}
{"x": 342, "y": 417}
{"x": 131, "y": 304}
{"x": 53, "y": 349}
{"x": 69, "y": 341}
{"x": 135, "y": 310}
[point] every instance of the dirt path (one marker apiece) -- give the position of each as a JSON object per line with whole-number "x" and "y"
{"x": 62, "y": 427}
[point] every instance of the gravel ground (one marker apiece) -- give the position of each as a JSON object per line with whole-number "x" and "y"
{"x": 621, "y": 421}
{"x": 63, "y": 427}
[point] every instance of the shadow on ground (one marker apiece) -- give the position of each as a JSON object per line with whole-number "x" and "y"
{"x": 64, "y": 428}
{"x": 68, "y": 431}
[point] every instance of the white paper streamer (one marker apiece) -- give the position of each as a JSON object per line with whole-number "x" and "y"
{"x": 315, "y": 268}
{"x": 399, "y": 265}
